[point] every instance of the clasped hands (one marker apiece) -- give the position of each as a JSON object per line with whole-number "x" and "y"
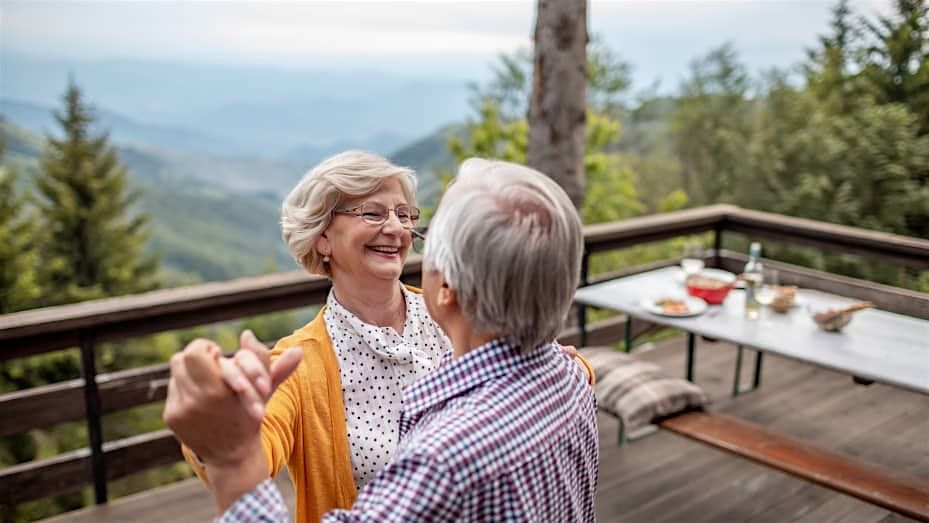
{"x": 215, "y": 406}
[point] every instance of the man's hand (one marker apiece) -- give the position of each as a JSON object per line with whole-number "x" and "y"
{"x": 211, "y": 419}
{"x": 202, "y": 411}
{"x": 215, "y": 419}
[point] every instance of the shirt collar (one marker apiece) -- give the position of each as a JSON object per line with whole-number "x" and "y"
{"x": 456, "y": 376}
{"x": 384, "y": 341}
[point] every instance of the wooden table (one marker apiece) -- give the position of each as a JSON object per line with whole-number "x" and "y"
{"x": 877, "y": 345}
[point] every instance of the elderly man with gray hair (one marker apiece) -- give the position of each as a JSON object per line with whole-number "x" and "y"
{"x": 505, "y": 427}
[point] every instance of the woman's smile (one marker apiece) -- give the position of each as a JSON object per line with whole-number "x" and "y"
{"x": 387, "y": 251}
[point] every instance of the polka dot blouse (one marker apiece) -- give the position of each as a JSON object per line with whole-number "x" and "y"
{"x": 375, "y": 363}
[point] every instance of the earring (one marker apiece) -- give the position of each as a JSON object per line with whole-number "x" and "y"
{"x": 326, "y": 259}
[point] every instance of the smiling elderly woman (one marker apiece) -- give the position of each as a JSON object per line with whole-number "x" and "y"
{"x": 335, "y": 421}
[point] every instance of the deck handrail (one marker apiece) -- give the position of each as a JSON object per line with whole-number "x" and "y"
{"x": 86, "y": 324}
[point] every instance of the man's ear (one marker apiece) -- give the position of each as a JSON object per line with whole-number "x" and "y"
{"x": 448, "y": 296}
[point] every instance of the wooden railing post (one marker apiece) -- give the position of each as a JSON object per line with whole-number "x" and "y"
{"x": 94, "y": 425}
{"x": 581, "y": 309}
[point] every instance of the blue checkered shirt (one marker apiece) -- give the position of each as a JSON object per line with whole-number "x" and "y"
{"x": 263, "y": 504}
{"x": 494, "y": 435}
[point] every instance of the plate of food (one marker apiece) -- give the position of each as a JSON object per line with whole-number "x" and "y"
{"x": 675, "y": 306}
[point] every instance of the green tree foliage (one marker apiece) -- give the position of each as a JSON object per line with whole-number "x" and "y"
{"x": 896, "y": 68}
{"x": 844, "y": 168}
{"x": 847, "y": 146}
{"x": 91, "y": 246}
{"x": 19, "y": 288}
{"x": 500, "y": 129}
{"x": 828, "y": 69}
{"x": 710, "y": 127}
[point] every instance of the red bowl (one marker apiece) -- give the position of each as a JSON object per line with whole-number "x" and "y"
{"x": 715, "y": 293}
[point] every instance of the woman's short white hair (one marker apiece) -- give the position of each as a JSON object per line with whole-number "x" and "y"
{"x": 509, "y": 241}
{"x": 307, "y": 210}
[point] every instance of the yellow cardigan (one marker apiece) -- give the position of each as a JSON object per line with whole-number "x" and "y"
{"x": 304, "y": 426}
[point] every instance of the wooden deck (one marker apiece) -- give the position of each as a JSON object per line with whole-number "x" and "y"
{"x": 663, "y": 477}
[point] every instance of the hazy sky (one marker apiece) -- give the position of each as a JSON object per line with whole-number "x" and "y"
{"x": 445, "y": 37}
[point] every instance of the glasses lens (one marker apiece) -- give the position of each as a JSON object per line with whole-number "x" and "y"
{"x": 407, "y": 215}
{"x": 373, "y": 212}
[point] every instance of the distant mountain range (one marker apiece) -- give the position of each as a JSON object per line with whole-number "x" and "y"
{"x": 286, "y": 115}
{"x": 212, "y": 217}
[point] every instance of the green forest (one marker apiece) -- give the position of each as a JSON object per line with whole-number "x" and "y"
{"x": 842, "y": 137}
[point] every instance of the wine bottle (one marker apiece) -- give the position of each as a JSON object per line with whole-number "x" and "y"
{"x": 753, "y": 276}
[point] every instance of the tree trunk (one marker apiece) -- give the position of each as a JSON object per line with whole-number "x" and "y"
{"x": 557, "y": 117}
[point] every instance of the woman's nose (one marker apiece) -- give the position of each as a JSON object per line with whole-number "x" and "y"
{"x": 393, "y": 223}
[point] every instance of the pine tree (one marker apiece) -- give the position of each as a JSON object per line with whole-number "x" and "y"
{"x": 897, "y": 71}
{"x": 897, "y": 67}
{"x": 92, "y": 246}
{"x": 18, "y": 286}
{"x": 830, "y": 67}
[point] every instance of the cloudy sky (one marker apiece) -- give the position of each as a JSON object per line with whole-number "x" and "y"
{"x": 449, "y": 37}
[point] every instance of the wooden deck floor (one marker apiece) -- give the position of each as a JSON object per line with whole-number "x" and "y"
{"x": 663, "y": 477}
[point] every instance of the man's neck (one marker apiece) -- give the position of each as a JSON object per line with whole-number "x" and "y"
{"x": 465, "y": 339}
{"x": 380, "y": 304}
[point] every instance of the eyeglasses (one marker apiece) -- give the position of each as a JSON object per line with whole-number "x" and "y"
{"x": 376, "y": 213}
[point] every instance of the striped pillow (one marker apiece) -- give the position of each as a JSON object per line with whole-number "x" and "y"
{"x": 637, "y": 391}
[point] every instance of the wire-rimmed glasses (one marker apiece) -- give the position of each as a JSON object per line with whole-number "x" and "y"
{"x": 377, "y": 213}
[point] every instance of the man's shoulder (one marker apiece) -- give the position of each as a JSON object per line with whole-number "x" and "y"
{"x": 505, "y": 420}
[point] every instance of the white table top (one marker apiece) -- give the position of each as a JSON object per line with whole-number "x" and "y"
{"x": 878, "y": 345}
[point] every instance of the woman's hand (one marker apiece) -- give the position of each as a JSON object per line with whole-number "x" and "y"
{"x": 571, "y": 352}
{"x": 251, "y": 375}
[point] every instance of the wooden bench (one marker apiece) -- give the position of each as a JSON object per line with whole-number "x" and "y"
{"x": 902, "y": 493}
{"x": 636, "y": 391}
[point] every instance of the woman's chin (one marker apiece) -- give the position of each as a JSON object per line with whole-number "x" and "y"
{"x": 386, "y": 267}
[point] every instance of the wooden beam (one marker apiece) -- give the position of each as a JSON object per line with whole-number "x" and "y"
{"x": 607, "y": 236}
{"x": 910, "y": 252}
{"x": 60, "y": 402}
{"x": 71, "y": 471}
{"x": 51, "y": 328}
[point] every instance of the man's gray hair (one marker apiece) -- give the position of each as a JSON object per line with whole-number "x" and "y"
{"x": 508, "y": 239}
{"x": 307, "y": 210}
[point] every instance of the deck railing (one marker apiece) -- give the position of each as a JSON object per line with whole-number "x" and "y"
{"x": 85, "y": 325}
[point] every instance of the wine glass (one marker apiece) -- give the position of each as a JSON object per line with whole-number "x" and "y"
{"x": 692, "y": 261}
{"x": 768, "y": 288}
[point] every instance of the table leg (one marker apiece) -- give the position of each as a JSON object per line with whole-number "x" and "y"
{"x": 738, "y": 372}
{"x": 758, "y": 360}
{"x": 691, "y": 345}
{"x": 628, "y": 333}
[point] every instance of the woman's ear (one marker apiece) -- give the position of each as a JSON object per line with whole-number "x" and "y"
{"x": 322, "y": 245}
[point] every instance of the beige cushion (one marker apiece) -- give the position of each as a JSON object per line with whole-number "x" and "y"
{"x": 637, "y": 391}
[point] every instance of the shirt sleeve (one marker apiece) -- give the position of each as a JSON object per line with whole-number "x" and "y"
{"x": 263, "y": 504}
{"x": 413, "y": 488}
